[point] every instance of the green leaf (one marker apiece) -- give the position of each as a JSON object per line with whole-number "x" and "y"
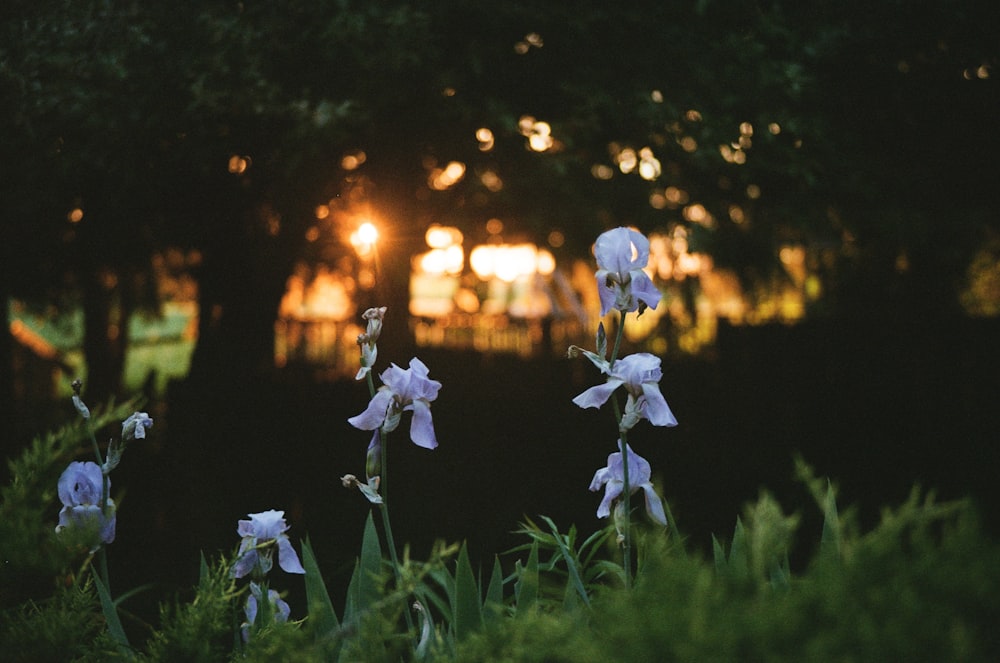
{"x": 781, "y": 575}
{"x": 321, "y": 613}
{"x": 571, "y": 565}
{"x": 739, "y": 553}
{"x": 203, "y": 570}
{"x": 111, "y": 616}
{"x": 363, "y": 589}
{"x": 830, "y": 539}
{"x": 370, "y": 565}
{"x": 468, "y": 612}
{"x": 719, "y": 556}
{"x": 571, "y": 599}
{"x": 526, "y": 587}
{"x": 444, "y": 578}
{"x": 493, "y": 606}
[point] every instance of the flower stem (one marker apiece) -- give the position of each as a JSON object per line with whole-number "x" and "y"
{"x": 623, "y": 437}
{"x": 102, "y": 555}
{"x": 390, "y": 541}
{"x": 384, "y": 490}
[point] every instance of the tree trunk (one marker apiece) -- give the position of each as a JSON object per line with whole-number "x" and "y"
{"x": 106, "y": 308}
{"x": 9, "y": 411}
{"x": 240, "y": 287}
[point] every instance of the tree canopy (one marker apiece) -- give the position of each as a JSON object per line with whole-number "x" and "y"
{"x": 130, "y": 126}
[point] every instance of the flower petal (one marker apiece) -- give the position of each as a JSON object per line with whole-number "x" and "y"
{"x": 288, "y": 560}
{"x": 374, "y": 414}
{"x": 422, "y": 426}
{"x": 611, "y": 491}
{"x": 656, "y": 408}
{"x": 638, "y": 469}
{"x": 601, "y": 477}
{"x": 81, "y": 483}
{"x": 606, "y": 294}
{"x": 644, "y": 289}
{"x": 598, "y": 395}
{"x": 245, "y": 564}
{"x": 654, "y": 505}
{"x": 614, "y": 250}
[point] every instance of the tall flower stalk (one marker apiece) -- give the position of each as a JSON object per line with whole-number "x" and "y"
{"x": 84, "y": 487}
{"x": 622, "y": 284}
{"x": 402, "y": 390}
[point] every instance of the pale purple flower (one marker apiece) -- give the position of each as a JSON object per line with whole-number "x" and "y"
{"x": 279, "y": 608}
{"x": 134, "y": 428}
{"x": 367, "y": 340}
{"x": 80, "y": 489}
{"x": 621, "y": 255}
{"x": 612, "y": 478}
{"x": 403, "y": 390}
{"x": 640, "y": 373}
{"x": 262, "y": 534}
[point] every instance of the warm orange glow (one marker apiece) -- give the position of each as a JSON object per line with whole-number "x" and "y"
{"x": 238, "y": 164}
{"x": 601, "y": 171}
{"x": 367, "y": 233}
{"x": 696, "y": 213}
{"x": 441, "y": 237}
{"x": 353, "y": 160}
{"x": 326, "y": 295}
{"x": 649, "y": 165}
{"x": 531, "y": 40}
{"x": 546, "y": 262}
{"x": 675, "y": 197}
{"x": 734, "y": 153}
{"x": 510, "y": 262}
{"x": 539, "y": 134}
{"x": 627, "y": 160}
{"x": 485, "y": 138}
{"x": 75, "y": 215}
{"x": 441, "y": 179}
{"x": 448, "y": 260}
{"x": 491, "y": 181}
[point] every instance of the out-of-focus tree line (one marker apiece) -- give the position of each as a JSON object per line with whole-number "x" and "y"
{"x": 219, "y": 126}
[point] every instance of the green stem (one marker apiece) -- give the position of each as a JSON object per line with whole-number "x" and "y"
{"x": 390, "y": 541}
{"x": 102, "y": 556}
{"x": 627, "y": 488}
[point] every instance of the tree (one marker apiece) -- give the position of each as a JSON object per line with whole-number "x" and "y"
{"x": 221, "y": 126}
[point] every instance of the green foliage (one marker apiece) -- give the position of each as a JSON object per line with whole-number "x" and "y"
{"x": 62, "y": 627}
{"x": 322, "y": 618}
{"x": 575, "y": 569}
{"x": 467, "y": 601}
{"x": 110, "y": 612}
{"x": 29, "y": 506}
{"x": 202, "y": 629}
{"x": 923, "y": 585}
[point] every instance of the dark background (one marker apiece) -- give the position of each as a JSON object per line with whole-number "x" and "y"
{"x": 877, "y": 402}
{"x": 886, "y": 164}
